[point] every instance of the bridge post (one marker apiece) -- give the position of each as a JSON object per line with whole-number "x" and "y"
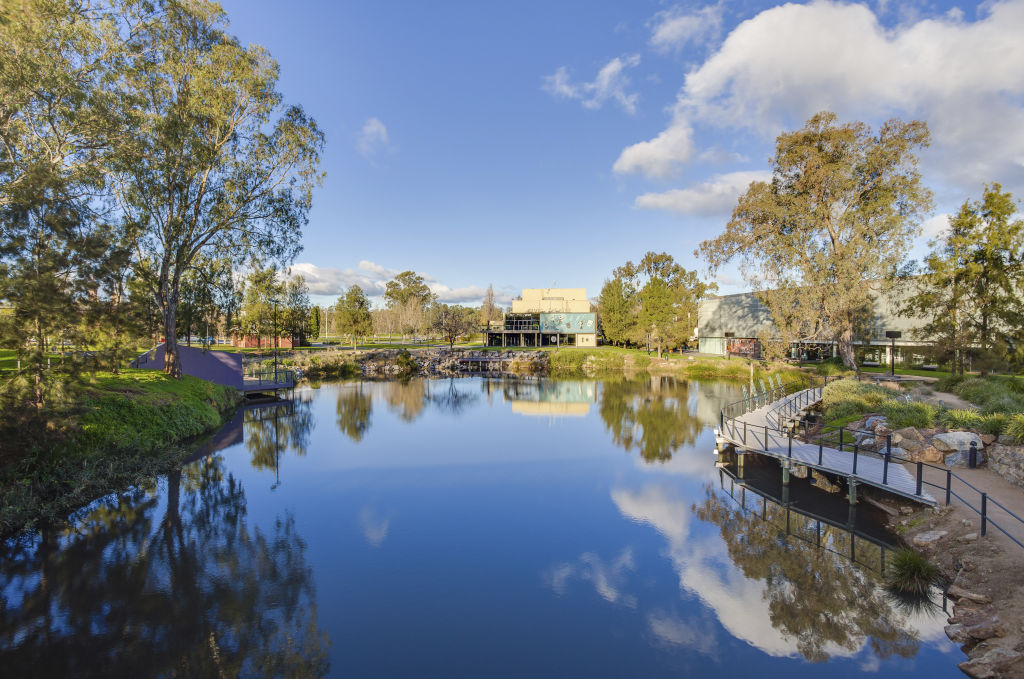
{"x": 791, "y": 443}
{"x": 766, "y": 438}
{"x": 744, "y": 433}
{"x": 853, "y": 491}
{"x": 785, "y": 473}
{"x": 920, "y": 477}
{"x": 840, "y": 439}
{"x": 821, "y": 447}
{"x": 984, "y": 514}
{"x": 949, "y": 484}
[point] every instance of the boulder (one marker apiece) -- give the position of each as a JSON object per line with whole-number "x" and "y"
{"x": 988, "y": 439}
{"x": 1007, "y": 440}
{"x": 991, "y": 664}
{"x": 956, "y": 441}
{"x": 910, "y": 434}
{"x": 929, "y": 537}
{"x": 912, "y": 446}
{"x": 929, "y": 454}
{"x": 1007, "y": 461}
{"x": 959, "y": 593}
{"x": 874, "y": 421}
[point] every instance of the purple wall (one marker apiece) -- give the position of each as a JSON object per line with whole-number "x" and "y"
{"x": 219, "y": 367}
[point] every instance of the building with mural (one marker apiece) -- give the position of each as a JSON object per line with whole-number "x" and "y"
{"x": 547, "y": 317}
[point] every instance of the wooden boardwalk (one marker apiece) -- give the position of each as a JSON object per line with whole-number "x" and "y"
{"x": 763, "y": 431}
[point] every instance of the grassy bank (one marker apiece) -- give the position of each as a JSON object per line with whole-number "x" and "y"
{"x": 1000, "y": 402}
{"x": 116, "y": 431}
{"x": 607, "y": 359}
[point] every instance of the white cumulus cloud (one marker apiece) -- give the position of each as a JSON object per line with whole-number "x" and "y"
{"x": 773, "y": 71}
{"x": 610, "y": 83}
{"x": 716, "y": 196}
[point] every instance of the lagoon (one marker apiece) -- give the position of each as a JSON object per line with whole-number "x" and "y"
{"x": 464, "y": 527}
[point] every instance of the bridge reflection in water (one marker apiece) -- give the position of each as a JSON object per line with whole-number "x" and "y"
{"x": 801, "y": 511}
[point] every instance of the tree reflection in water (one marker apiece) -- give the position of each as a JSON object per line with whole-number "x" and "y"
{"x": 406, "y": 398}
{"x": 452, "y": 399}
{"x": 192, "y": 592}
{"x": 354, "y": 408}
{"x": 815, "y": 596}
{"x": 651, "y": 415}
{"x": 276, "y": 429}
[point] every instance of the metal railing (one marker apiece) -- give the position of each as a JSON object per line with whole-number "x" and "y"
{"x": 836, "y": 438}
{"x": 269, "y": 376}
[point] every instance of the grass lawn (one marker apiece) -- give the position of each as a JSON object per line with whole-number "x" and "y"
{"x": 116, "y": 431}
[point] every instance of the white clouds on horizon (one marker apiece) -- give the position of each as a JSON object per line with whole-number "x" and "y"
{"x": 373, "y": 278}
{"x": 773, "y": 71}
{"x": 717, "y": 196}
{"x": 610, "y": 83}
{"x": 373, "y": 138}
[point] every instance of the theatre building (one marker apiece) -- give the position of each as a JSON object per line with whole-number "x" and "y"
{"x": 547, "y": 317}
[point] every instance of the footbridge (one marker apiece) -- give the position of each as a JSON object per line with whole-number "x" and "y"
{"x": 771, "y": 421}
{"x": 221, "y": 367}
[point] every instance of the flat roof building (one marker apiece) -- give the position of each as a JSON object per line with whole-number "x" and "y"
{"x": 546, "y": 317}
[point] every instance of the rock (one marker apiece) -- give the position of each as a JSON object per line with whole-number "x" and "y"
{"x": 957, "y": 634}
{"x": 955, "y": 592}
{"x": 991, "y": 664}
{"x": 1006, "y": 440}
{"x": 929, "y": 537}
{"x": 956, "y": 441}
{"x": 929, "y": 454}
{"x": 953, "y": 459}
{"x": 906, "y": 509}
{"x": 912, "y": 446}
{"x": 988, "y": 439}
{"x": 910, "y": 434}
{"x": 1007, "y": 461}
{"x": 874, "y": 421}
{"x": 969, "y": 537}
{"x": 966, "y": 523}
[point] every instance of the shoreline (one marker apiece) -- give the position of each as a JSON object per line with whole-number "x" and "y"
{"x": 119, "y": 431}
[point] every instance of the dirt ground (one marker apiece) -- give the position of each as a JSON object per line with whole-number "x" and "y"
{"x": 986, "y": 583}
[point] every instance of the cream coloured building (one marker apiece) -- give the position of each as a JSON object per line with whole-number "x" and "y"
{"x": 547, "y": 317}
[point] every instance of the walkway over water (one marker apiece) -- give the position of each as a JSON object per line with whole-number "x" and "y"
{"x": 766, "y": 430}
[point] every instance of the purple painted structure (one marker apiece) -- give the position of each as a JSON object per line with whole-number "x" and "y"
{"x": 219, "y": 367}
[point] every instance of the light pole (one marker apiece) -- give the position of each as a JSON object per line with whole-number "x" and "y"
{"x": 275, "y": 339}
{"x": 892, "y": 335}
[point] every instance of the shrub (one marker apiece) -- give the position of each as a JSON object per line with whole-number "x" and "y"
{"x": 994, "y": 423}
{"x": 845, "y": 398}
{"x": 914, "y": 414}
{"x": 911, "y": 573}
{"x": 959, "y": 418}
{"x": 1015, "y": 428}
{"x": 1005, "y": 402}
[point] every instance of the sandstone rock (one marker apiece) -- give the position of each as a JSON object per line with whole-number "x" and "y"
{"x": 991, "y": 664}
{"x": 957, "y": 634}
{"x": 928, "y": 537}
{"x": 910, "y": 434}
{"x": 1006, "y": 440}
{"x": 956, "y": 441}
{"x": 958, "y": 593}
{"x": 988, "y": 439}
{"x": 912, "y": 446}
{"x": 969, "y": 537}
{"x": 929, "y": 454}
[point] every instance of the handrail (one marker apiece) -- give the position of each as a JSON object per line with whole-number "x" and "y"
{"x": 887, "y": 455}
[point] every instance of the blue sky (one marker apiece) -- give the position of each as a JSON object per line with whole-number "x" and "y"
{"x": 531, "y": 143}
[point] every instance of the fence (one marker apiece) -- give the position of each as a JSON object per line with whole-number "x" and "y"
{"x": 786, "y": 410}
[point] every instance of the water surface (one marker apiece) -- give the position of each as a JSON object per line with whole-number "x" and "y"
{"x": 468, "y": 527}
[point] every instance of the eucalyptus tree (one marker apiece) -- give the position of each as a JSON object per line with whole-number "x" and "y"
{"x": 830, "y": 231}
{"x": 451, "y": 321}
{"x": 215, "y": 161}
{"x": 617, "y": 308}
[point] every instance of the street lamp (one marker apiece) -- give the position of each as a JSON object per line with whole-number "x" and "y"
{"x": 893, "y": 335}
{"x": 275, "y": 301}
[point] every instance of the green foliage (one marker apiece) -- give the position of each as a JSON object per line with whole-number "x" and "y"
{"x": 407, "y": 365}
{"x": 910, "y": 572}
{"x": 827, "y": 232}
{"x": 914, "y": 414}
{"x": 1015, "y": 428}
{"x": 830, "y": 367}
{"x": 844, "y": 398}
{"x": 119, "y": 430}
{"x": 351, "y": 314}
{"x": 992, "y": 394}
{"x": 616, "y": 308}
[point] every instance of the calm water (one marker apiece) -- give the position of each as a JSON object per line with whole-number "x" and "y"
{"x": 470, "y": 528}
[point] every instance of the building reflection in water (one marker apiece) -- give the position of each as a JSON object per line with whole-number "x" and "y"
{"x": 166, "y": 579}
